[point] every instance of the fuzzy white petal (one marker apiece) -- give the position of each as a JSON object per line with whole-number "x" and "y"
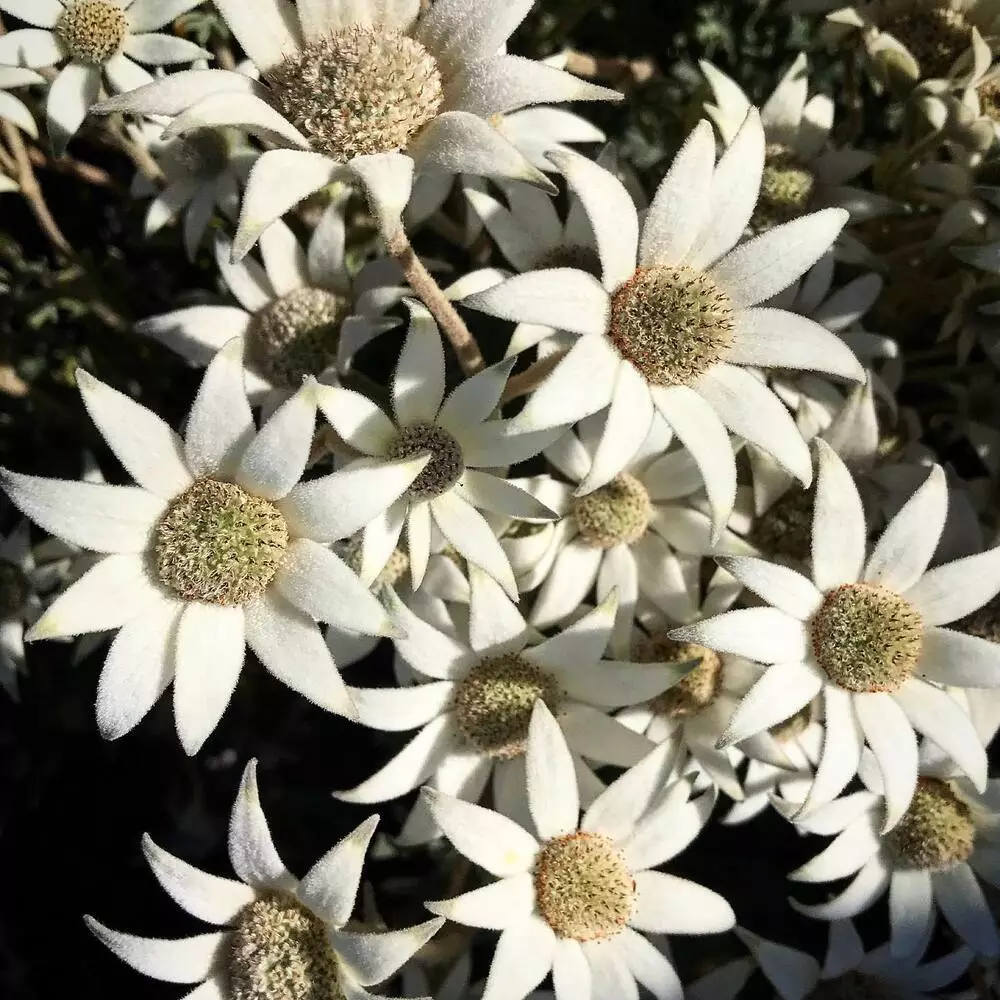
{"x": 495, "y": 906}
{"x": 330, "y": 887}
{"x": 763, "y": 634}
{"x": 666, "y": 904}
{"x": 946, "y": 593}
{"x": 251, "y": 849}
{"x": 838, "y": 532}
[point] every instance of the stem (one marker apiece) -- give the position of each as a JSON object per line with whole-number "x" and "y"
{"x": 531, "y": 378}
{"x": 616, "y": 70}
{"x": 429, "y": 291}
{"x": 77, "y": 168}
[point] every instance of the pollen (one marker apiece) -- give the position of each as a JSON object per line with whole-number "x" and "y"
{"x": 93, "y": 30}
{"x": 786, "y": 189}
{"x": 671, "y": 323}
{"x": 583, "y": 887}
{"x": 494, "y": 700}
{"x": 14, "y": 589}
{"x": 866, "y": 638}
{"x": 693, "y": 693}
{"x": 615, "y": 514}
{"x": 218, "y": 544}
{"x": 279, "y": 951}
{"x": 936, "y": 832}
{"x": 445, "y": 467}
{"x": 784, "y": 530}
{"x": 935, "y": 32}
{"x": 296, "y": 335}
{"x": 359, "y": 91}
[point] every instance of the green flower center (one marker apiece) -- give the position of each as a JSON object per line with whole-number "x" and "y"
{"x": 358, "y": 91}
{"x": 671, "y": 323}
{"x": 866, "y": 638}
{"x": 936, "y": 832}
{"x": 697, "y": 690}
{"x": 445, "y": 467}
{"x": 296, "y": 335}
{"x": 93, "y": 30}
{"x": 615, "y": 514}
{"x": 935, "y": 33}
{"x": 218, "y": 544}
{"x": 583, "y": 887}
{"x": 278, "y": 951}
{"x": 14, "y": 589}
{"x": 785, "y": 190}
{"x": 494, "y": 701}
{"x": 784, "y": 530}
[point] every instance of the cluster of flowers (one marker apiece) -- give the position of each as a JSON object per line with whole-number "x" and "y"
{"x": 723, "y": 570}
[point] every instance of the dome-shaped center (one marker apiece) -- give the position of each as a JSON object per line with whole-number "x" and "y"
{"x": 218, "y": 544}
{"x": 583, "y": 887}
{"x": 93, "y": 30}
{"x": 202, "y": 153}
{"x": 866, "y": 638}
{"x": 358, "y": 91}
{"x": 784, "y": 530}
{"x": 936, "y": 832}
{"x": 615, "y": 514}
{"x": 296, "y": 335}
{"x": 278, "y": 951}
{"x": 494, "y": 700}
{"x": 786, "y": 188}
{"x": 694, "y": 692}
{"x": 672, "y": 323}
{"x": 854, "y": 986}
{"x": 14, "y": 589}
{"x": 935, "y": 32}
{"x": 445, "y": 467}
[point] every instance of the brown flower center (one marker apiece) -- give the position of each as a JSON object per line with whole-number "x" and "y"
{"x": 446, "y": 464}
{"x": 93, "y": 30}
{"x": 936, "y": 832}
{"x": 693, "y": 693}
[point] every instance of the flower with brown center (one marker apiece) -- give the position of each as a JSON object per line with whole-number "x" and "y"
{"x": 93, "y": 30}
{"x": 615, "y": 514}
{"x": 936, "y": 832}
{"x": 446, "y": 465}
{"x": 693, "y": 693}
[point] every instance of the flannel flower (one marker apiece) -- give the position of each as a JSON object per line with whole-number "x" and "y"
{"x": 671, "y": 334}
{"x": 217, "y": 546}
{"x": 102, "y": 40}
{"x": 866, "y": 635}
{"x": 576, "y": 897}
{"x": 368, "y": 79}
{"x": 473, "y": 701}
{"x": 280, "y": 936}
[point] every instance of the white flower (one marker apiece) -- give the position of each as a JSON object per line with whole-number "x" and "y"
{"x": 20, "y": 604}
{"x": 801, "y": 172}
{"x": 300, "y": 314}
{"x": 866, "y": 636}
{"x": 366, "y": 80}
{"x": 462, "y": 441}
{"x": 947, "y": 837}
{"x": 672, "y": 335}
{"x": 280, "y": 936}
{"x": 12, "y": 108}
{"x": 103, "y": 40}
{"x": 218, "y": 546}
{"x": 576, "y": 899}
{"x": 474, "y": 709}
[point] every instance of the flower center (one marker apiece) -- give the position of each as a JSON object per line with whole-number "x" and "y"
{"x": 583, "y": 887}
{"x": 866, "y": 638}
{"x": 493, "y": 703}
{"x": 218, "y": 544}
{"x": 296, "y": 335}
{"x": 694, "y": 692}
{"x": 672, "y": 323}
{"x": 936, "y": 832}
{"x": 934, "y": 32}
{"x": 853, "y": 986}
{"x": 574, "y": 255}
{"x": 202, "y": 153}
{"x": 93, "y": 30}
{"x": 615, "y": 514}
{"x": 784, "y": 530}
{"x": 785, "y": 189}
{"x": 794, "y": 725}
{"x": 358, "y": 91}
{"x": 445, "y": 467}
{"x": 278, "y": 951}
{"x": 14, "y": 589}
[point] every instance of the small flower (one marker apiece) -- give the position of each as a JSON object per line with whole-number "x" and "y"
{"x": 461, "y": 440}
{"x": 20, "y": 604}
{"x": 100, "y": 38}
{"x": 283, "y": 938}
{"x": 474, "y": 712}
{"x": 218, "y": 546}
{"x": 866, "y": 636}
{"x": 575, "y": 899}
{"x": 671, "y": 335}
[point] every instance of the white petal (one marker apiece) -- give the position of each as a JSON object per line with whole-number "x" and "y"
{"x": 489, "y": 840}
{"x": 41, "y": 13}
{"x": 763, "y": 266}
{"x": 197, "y": 332}
{"x": 291, "y": 647}
{"x": 599, "y": 737}
{"x": 582, "y": 643}
{"x": 617, "y": 684}
{"x": 793, "y": 974}
{"x": 379, "y": 540}
{"x": 356, "y": 419}
{"x": 330, "y": 887}
{"x": 847, "y": 854}
{"x": 842, "y": 743}
{"x": 158, "y": 49}
{"x": 763, "y": 634}
{"x": 147, "y": 15}
{"x": 427, "y": 650}
{"x": 418, "y": 383}
{"x": 609, "y": 972}
{"x": 956, "y": 659}
{"x": 667, "y": 829}
{"x": 616, "y": 811}
{"x": 251, "y": 850}
{"x": 902, "y": 553}
{"x": 911, "y": 910}
{"x": 946, "y": 593}
{"x": 32, "y": 48}
{"x": 473, "y": 400}
{"x": 284, "y": 259}
{"x": 246, "y": 279}
{"x": 236, "y": 109}
{"x": 371, "y": 958}
{"x": 523, "y": 958}
{"x": 782, "y": 691}
{"x": 210, "y": 652}
{"x": 611, "y": 212}
{"x": 649, "y": 966}
{"x": 399, "y": 709}
{"x": 207, "y": 897}
{"x": 175, "y": 93}
{"x": 570, "y": 970}
{"x": 496, "y": 906}
{"x": 572, "y": 575}
{"x": 138, "y": 668}
{"x": 124, "y": 75}
{"x": 14, "y": 110}
{"x": 263, "y": 28}
{"x": 459, "y": 32}
{"x": 838, "y": 533}
{"x": 495, "y": 624}
{"x": 666, "y": 904}
{"x": 188, "y": 960}
{"x": 681, "y": 205}
{"x": 865, "y": 888}
{"x": 784, "y": 588}
{"x": 72, "y": 93}
{"x": 553, "y": 796}
{"x": 889, "y": 734}
{"x": 961, "y": 900}
{"x": 498, "y": 496}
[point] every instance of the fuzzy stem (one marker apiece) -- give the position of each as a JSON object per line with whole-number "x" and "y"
{"x": 531, "y": 378}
